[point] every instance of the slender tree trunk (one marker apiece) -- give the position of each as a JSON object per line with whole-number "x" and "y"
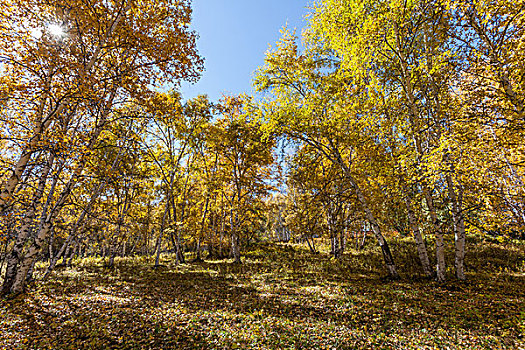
{"x": 312, "y": 250}
{"x": 50, "y": 246}
{"x": 383, "y": 244}
{"x": 179, "y": 252}
{"x": 47, "y": 220}
{"x": 331, "y": 233}
{"x": 74, "y": 252}
{"x": 236, "y": 252}
{"x": 158, "y": 244}
{"x": 342, "y": 243}
{"x": 198, "y": 250}
{"x": 420, "y": 243}
{"x": 440, "y": 245}
{"x": 415, "y": 114}
{"x": 28, "y": 260}
{"x": 158, "y": 248}
{"x": 24, "y": 232}
{"x": 113, "y": 253}
{"x": 57, "y": 256}
{"x": 203, "y": 224}
{"x": 223, "y": 232}
{"x": 459, "y": 230}
{"x": 29, "y": 277}
{"x": 385, "y": 249}
{"x": 363, "y": 241}
{"x": 76, "y": 229}
{"x": 4, "y": 253}
{"x": 68, "y": 249}
{"x": 131, "y": 251}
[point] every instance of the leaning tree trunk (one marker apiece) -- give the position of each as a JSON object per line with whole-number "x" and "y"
{"x": 7, "y": 188}
{"x": 420, "y": 243}
{"x": 48, "y": 219}
{"x": 24, "y": 231}
{"x": 385, "y": 249}
{"x": 383, "y": 244}
{"x": 29, "y": 259}
{"x": 310, "y": 246}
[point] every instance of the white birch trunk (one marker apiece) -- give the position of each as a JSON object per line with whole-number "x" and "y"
{"x": 420, "y": 243}
{"x": 459, "y": 230}
{"x": 385, "y": 249}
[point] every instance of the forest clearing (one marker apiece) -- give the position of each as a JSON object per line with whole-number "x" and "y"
{"x": 281, "y": 297}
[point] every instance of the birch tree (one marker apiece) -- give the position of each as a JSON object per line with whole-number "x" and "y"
{"x": 66, "y": 66}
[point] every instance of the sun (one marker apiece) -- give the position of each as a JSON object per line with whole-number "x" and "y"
{"x": 56, "y": 30}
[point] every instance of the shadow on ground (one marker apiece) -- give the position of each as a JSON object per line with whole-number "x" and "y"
{"x": 280, "y": 297}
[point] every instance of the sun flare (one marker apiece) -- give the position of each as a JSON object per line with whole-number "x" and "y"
{"x": 55, "y": 29}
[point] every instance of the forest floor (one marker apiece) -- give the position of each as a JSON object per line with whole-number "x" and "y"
{"x": 280, "y": 297}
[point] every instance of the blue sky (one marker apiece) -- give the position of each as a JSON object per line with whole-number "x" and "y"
{"x": 234, "y": 35}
